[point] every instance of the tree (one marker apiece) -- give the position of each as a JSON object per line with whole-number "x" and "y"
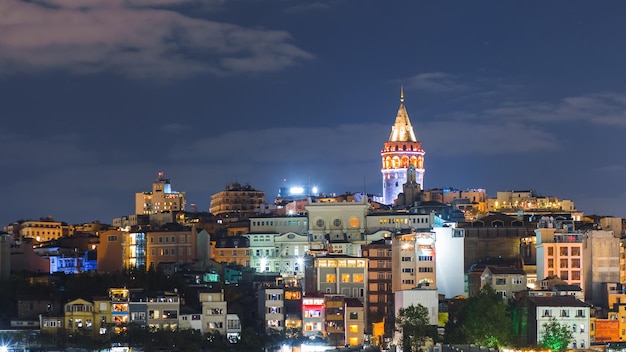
{"x": 482, "y": 320}
{"x": 414, "y": 323}
{"x": 557, "y": 336}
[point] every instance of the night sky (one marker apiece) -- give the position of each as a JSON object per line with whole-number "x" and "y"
{"x": 98, "y": 96}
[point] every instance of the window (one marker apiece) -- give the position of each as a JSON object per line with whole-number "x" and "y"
{"x": 425, "y": 269}
{"x": 547, "y": 313}
{"x": 331, "y": 278}
{"x": 345, "y": 277}
{"x": 564, "y": 313}
{"x": 517, "y": 281}
{"x": 112, "y": 238}
{"x": 500, "y": 281}
{"x": 357, "y": 278}
{"x": 406, "y": 259}
{"x": 425, "y": 258}
{"x": 407, "y": 270}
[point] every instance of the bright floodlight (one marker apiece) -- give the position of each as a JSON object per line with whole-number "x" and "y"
{"x": 296, "y": 190}
{"x": 314, "y": 190}
{"x": 4, "y": 348}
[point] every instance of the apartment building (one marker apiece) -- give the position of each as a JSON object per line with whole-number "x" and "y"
{"x": 237, "y": 198}
{"x": 355, "y": 321}
{"x": 271, "y": 309}
{"x": 504, "y": 280}
{"x": 161, "y": 199}
{"x": 341, "y": 274}
{"x": 560, "y": 253}
{"x": 313, "y": 316}
{"x": 214, "y": 311}
{"x": 279, "y": 253}
{"x": 413, "y": 260}
{"x": 231, "y": 249}
{"x": 568, "y": 310}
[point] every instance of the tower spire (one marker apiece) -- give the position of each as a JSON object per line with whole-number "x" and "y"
{"x": 402, "y": 93}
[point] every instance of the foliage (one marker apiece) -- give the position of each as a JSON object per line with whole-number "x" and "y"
{"x": 557, "y": 336}
{"x": 414, "y": 323}
{"x": 482, "y": 320}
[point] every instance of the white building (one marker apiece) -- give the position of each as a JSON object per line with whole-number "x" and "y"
{"x": 568, "y": 311}
{"x": 280, "y": 253}
{"x": 233, "y": 328}
{"x": 450, "y": 252}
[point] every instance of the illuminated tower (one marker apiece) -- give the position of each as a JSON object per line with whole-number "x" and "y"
{"x": 401, "y": 150}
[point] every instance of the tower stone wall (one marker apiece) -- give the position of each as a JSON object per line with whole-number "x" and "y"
{"x": 399, "y": 152}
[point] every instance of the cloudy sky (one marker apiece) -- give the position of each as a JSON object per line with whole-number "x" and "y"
{"x": 97, "y": 96}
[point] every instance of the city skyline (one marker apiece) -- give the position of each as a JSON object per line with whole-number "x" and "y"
{"x": 98, "y": 98}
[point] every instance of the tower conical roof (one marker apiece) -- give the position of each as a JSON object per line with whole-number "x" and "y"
{"x": 402, "y": 131}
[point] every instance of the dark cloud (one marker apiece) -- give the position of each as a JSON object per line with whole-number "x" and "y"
{"x": 138, "y": 39}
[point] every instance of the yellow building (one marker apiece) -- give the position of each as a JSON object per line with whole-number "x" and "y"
{"x": 355, "y": 322}
{"x": 79, "y": 316}
{"x": 102, "y": 314}
{"x": 161, "y": 199}
{"x": 235, "y": 198}
{"x": 233, "y": 249}
{"x": 44, "y": 230}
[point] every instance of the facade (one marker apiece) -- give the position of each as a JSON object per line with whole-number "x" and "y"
{"x": 427, "y": 297}
{"x": 504, "y": 280}
{"x": 43, "y": 230}
{"x": 413, "y": 261}
{"x": 337, "y": 221}
{"x": 355, "y": 322}
{"x": 334, "y": 319}
{"x": 189, "y": 319}
{"x": 280, "y": 253}
{"x": 601, "y": 259}
{"x": 527, "y": 200}
{"x": 232, "y": 249}
{"x": 121, "y": 309}
{"x": 379, "y": 295}
{"x": 111, "y": 251}
{"x": 102, "y": 314}
{"x": 214, "y": 311}
{"x": 161, "y": 199}
{"x": 135, "y": 248}
{"x": 293, "y": 307}
{"x": 272, "y": 309}
{"x": 401, "y": 150}
{"x": 399, "y": 221}
{"x": 235, "y": 198}
{"x": 450, "y": 243}
{"x": 341, "y": 275}
{"x": 313, "y": 316}
{"x": 279, "y": 224}
{"x": 567, "y": 310}
{"x": 560, "y": 253}
{"x": 162, "y": 309}
{"x": 233, "y": 328}
{"x": 79, "y": 316}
